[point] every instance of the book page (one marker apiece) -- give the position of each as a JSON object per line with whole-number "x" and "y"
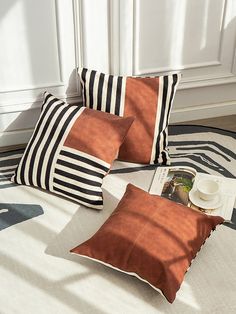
{"x": 175, "y": 183}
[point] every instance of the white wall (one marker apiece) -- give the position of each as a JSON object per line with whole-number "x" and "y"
{"x": 38, "y": 52}
{"x": 196, "y": 37}
{"x": 44, "y": 41}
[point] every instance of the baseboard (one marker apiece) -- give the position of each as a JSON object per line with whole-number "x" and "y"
{"x": 203, "y": 112}
{"x": 15, "y": 137}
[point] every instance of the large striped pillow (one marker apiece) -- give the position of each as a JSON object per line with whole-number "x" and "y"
{"x": 148, "y": 99}
{"x": 71, "y": 150}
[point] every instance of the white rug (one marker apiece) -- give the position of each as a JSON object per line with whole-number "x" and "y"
{"x": 39, "y": 275}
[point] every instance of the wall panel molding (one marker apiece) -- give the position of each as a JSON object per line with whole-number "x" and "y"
{"x": 33, "y": 87}
{"x": 159, "y": 70}
{"x": 67, "y": 22}
{"x": 96, "y": 34}
{"x": 13, "y": 138}
{"x": 206, "y": 81}
{"x": 203, "y": 111}
{"x": 23, "y": 103}
{"x": 208, "y": 87}
{"x": 139, "y": 70}
{"x": 78, "y": 32}
{"x": 106, "y": 37}
{"x": 36, "y": 105}
{"x": 220, "y": 72}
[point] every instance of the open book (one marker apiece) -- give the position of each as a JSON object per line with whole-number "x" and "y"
{"x": 179, "y": 185}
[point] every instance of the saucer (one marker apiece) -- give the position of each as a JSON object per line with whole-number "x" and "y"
{"x": 212, "y": 204}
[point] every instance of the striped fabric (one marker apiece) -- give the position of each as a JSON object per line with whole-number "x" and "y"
{"x": 84, "y": 174}
{"x": 148, "y": 99}
{"x": 8, "y": 164}
{"x": 64, "y": 156}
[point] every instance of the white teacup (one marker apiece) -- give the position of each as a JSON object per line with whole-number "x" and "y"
{"x": 208, "y": 189}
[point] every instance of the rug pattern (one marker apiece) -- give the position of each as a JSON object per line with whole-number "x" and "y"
{"x": 208, "y": 150}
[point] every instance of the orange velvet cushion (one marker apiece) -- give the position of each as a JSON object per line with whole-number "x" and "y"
{"x": 148, "y": 99}
{"x": 152, "y": 238}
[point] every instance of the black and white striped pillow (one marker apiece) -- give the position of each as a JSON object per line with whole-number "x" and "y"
{"x": 71, "y": 150}
{"x": 148, "y": 99}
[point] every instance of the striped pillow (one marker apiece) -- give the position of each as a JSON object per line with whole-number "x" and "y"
{"x": 71, "y": 150}
{"x": 148, "y": 99}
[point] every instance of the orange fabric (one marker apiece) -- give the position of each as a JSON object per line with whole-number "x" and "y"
{"x": 103, "y": 139}
{"x": 141, "y": 97}
{"x": 152, "y": 237}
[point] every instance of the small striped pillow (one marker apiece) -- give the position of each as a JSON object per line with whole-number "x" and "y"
{"x": 71, "y": 150}
{"x": 148, "y": 99}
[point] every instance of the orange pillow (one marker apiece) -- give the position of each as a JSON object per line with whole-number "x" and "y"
{"x": 151, "y": 238}
{"x": 148, "y": 99}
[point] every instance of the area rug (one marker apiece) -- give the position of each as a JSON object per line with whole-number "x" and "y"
{"x": 37, "y": 230}
{"x": 209, "y": 150}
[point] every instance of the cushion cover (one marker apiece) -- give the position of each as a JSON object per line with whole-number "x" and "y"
{"x": 71, "y": 150}
{"x": 151, "y": 238}
{"x": 148, "y": 99}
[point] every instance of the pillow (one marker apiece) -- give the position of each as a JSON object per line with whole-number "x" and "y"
{"x": 152, "y": 238}
{"x": 148, "y": 99}
{"x": 71, "y": 150}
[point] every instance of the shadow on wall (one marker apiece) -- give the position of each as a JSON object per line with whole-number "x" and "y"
{"x": 21, "y": 124}
{"x": 184, "y": 46}
{"x": 16, "y": 126}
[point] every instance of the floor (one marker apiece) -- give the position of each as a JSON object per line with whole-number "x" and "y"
{"x": 227, "y": 122}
